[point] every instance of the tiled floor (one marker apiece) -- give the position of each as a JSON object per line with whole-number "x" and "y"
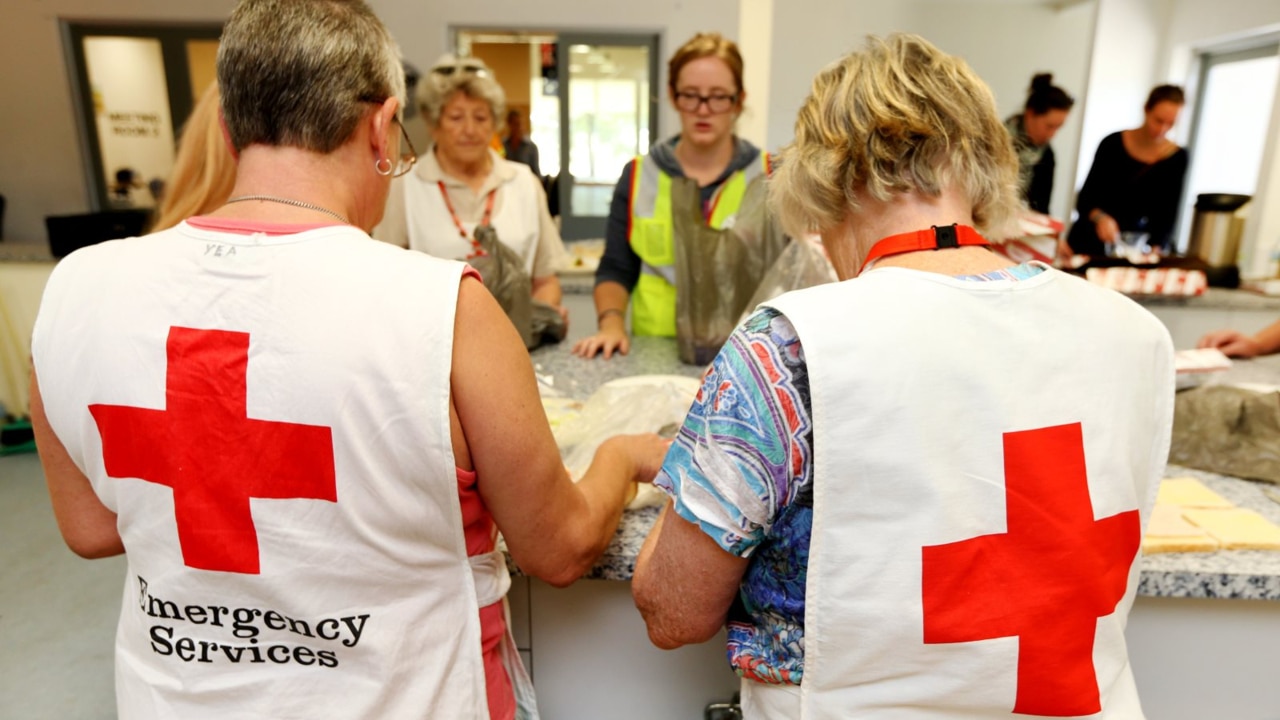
{"x": 57, "y": 611}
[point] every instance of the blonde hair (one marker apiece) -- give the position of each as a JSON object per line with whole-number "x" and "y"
{"x": 703, "y": 45}
{"x": 899, "y": 116}
{"x": 204, "y": 170}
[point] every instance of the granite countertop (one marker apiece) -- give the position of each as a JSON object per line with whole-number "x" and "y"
{"x": 1238, "y": 574}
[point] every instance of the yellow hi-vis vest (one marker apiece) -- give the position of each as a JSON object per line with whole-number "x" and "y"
{"x": 653, "y": 302}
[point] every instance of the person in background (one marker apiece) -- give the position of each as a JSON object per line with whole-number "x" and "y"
{"x": 705, "y": 86}
{"x": 1233, "y": 343}
{"x": 882, "y": 475}
{"x": 1042, "y": 116}
{"x": 203, "y": 169}
{"x": 461, "y": 183}
{"x": 305, "y": 441}
{"x": 1135, "y": 183}
{"x": 518, "y": 147}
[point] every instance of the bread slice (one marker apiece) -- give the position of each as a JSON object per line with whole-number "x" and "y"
{"x": 1236, "y": 528}
{"x": 1190, "y": 493}
{"x": 1168, "y": 531}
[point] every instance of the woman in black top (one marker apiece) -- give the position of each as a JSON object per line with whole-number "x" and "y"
{"x": 1044, "y": 113}
{"x": 1136, "y": 180}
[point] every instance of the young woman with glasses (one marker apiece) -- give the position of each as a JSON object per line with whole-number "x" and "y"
{"x": 705, "y": 86}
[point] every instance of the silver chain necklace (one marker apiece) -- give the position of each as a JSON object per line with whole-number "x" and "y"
{"x": 287, "y": 201}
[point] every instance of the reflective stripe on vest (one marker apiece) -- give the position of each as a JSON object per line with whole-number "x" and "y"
{"x": 650, "y": 233}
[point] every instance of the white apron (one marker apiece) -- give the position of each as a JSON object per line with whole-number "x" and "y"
{"x": 985, "y": 456}
{"x": 272, "y": 428}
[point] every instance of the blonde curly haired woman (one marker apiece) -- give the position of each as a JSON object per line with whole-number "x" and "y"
{"x": 909, "y": 489}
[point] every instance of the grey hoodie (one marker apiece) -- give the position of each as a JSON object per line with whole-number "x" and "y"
{"x": 619, "y": 263}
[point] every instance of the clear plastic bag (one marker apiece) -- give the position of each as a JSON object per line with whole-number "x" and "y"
{"x": 802, "y": 264}
{"x": 645, "y": 403}
{"x": 718, "y": 270}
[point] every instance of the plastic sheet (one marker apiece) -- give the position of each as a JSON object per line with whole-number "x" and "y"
{"x": 645, "y": 403}
{"x": 1228, "y": 430}
{"x": 802, "y": 264}
{"x": 717, "y": 271}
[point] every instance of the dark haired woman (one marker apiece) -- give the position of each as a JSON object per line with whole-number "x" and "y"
{"x": 1135, "y": 182}
{"x": 1044, "y": 113}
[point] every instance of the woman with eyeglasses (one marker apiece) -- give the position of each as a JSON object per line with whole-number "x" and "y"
{"x": 461, "y": 182}
{"x": 305, "y": 442}
{"x": 705, "y": 86}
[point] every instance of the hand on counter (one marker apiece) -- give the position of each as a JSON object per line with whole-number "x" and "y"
{"x": 1237, "y": 344}
{"x": 607, "y": 340}
{"x": 1232, "y": 344}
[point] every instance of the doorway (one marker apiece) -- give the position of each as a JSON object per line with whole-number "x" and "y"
{"x": 134, "y": 86}
{"x": 590, "y": 104}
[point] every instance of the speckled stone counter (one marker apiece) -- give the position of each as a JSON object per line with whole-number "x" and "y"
{"x": 575, "y": 377}
{"x": 1237, "y": 574}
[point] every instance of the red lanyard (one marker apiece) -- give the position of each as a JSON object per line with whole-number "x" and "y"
{"x": 462, "y": 232}
{"x": 935, "y": 238}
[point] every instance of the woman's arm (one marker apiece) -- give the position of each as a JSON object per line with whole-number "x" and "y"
{"x": 725, "y": 482}
{"x": 684, "y": 583}
{"x": 555, "y": 529}
{"x": 616, "y": 276}
{"x": 1097, "y": 193}
{"x": 1236, "y": 344}
{"x": 548, "y": 255}
{"x": 87, "y": 526}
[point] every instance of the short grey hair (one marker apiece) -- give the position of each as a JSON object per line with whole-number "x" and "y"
{"x": 301, "y": 73}
{"x": 466, "y": 76}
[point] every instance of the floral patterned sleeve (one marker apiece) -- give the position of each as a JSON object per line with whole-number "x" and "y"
{"x": 745, "y": 449}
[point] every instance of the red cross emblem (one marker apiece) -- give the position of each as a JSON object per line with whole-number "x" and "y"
{"x": 1046, "y": 580}
{"x": 204, "y": 446}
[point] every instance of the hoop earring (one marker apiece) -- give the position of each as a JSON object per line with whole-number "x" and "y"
{"x": 377, "y": 166}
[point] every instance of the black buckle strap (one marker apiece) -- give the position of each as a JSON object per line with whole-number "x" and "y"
{"x": 946, "y": 236}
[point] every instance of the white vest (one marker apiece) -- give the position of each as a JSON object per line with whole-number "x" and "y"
{"x": 516, "y": 217}
{"x": 964, "y": 433}
{"x": 332, "y": 579}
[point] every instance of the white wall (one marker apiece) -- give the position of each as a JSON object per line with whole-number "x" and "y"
{"x": 1008, "y": 43}
{"x": 42, "y": 171}
{"x": 755, "y": 41}
{"x": 1122, "y": 70}
{"x": 808, "y": 35}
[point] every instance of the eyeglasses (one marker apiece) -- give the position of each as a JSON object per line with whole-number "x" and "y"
{"x": 690, "y": 101}
{"x": 407, "y": 159}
